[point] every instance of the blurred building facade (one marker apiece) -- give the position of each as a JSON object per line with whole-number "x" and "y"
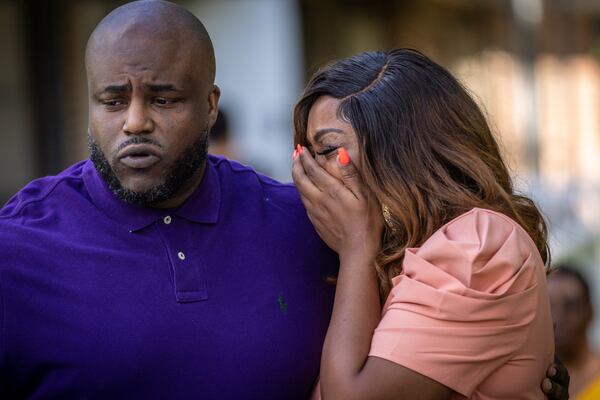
{"x": 534, "y": 66}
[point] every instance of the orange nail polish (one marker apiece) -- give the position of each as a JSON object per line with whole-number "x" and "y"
{"x": 343, "y": 156}
{"x": 295, "y": 154}
{"x": 299, "y": 149}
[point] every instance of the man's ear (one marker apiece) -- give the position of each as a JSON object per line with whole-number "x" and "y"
{"x": 213, "y": 105}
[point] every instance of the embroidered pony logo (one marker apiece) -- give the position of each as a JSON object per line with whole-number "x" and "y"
{"x": 282, "y": 304}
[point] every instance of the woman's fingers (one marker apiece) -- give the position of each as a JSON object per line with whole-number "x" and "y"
{"x": 349, "y": 173}
{"x": 344, "y": 220}
{"x": 303, "y": 183}
{"x": 312, "y": 180}
{"x": 319, "y": 177}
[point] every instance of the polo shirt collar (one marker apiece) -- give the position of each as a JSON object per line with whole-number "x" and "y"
{"x": 202, "y": 206}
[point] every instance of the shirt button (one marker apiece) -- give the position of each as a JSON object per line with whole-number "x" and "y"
{"x": 167, "y": 219}
{"x": 181, "y": 255}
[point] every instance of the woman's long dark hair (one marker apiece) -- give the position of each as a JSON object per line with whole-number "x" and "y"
{"x": 427, "y": 150}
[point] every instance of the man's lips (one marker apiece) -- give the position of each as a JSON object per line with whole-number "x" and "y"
{"x": 139, "y": 156}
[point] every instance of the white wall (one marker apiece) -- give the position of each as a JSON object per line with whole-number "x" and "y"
{"x": 259, "y": 70}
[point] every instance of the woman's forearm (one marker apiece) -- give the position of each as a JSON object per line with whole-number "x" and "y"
{"x": 356, "y": 313}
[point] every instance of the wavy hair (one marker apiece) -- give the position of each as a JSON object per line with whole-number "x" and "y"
{"x": 427, "y": 151}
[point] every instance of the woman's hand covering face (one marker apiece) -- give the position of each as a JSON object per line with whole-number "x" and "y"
{"x": 344, "y": 212}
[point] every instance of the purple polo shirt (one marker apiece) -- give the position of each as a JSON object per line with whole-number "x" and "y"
{"x": 222, "y": 298}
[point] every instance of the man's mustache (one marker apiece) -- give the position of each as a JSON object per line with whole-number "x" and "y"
{"x": 138, "y": 140}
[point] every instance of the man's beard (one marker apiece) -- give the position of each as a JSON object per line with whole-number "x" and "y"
{"x": 182, "y": 170}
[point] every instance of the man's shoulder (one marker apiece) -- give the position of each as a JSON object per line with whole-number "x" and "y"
{"x": 42, "y": 190}
{"x": 233, "y": 173}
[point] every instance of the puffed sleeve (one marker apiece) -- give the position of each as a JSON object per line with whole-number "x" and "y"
{"x": 464, "y": 303}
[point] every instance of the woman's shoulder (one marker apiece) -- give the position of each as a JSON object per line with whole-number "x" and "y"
{"x": 470, "y": 299}
{"x": 480, "y": 250}
{"x": 480, "y": 233}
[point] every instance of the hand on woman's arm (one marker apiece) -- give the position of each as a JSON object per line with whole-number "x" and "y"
{"x": 556, "y": 383}
{"x": 348, "y": 218}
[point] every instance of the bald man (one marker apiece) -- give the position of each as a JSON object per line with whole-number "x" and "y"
{"x": 153, "y": 270}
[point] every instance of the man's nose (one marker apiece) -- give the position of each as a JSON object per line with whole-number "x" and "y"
{"x": 138, "y": 119}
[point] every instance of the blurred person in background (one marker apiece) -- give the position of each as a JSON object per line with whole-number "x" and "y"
{"x": 220, "y": 138}
{"x": 572, "y": 312}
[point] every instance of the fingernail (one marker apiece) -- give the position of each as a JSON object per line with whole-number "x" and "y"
{"x": 299, "y": 149}
{"x": 295, "y": 154}
{"x": 552, "y": 372}
{"x": 343, "y": 156}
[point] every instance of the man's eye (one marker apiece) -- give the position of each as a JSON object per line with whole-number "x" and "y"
{"x": 113, "y": 102}
{"x": 164, "y": 102}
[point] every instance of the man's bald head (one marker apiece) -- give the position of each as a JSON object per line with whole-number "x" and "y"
{"x": 153, "y": 20}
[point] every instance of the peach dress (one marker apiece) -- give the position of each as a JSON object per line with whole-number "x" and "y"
{"x": 471, "y": 310}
